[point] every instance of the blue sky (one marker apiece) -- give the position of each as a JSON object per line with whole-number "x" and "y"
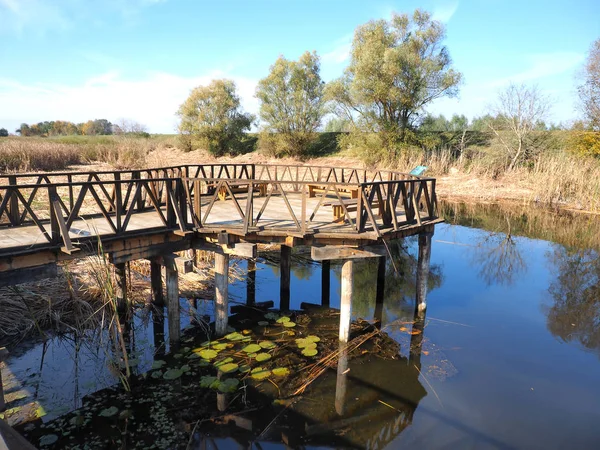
{"x": 138, "y": 59}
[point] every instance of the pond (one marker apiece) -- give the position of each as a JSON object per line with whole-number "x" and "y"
{"x": 507, "y": 355}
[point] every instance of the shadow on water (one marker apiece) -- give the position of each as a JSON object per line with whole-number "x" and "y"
{"x": 505, "y": 356}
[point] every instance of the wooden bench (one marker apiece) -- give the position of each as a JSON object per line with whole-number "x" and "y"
{"x": 351, "y": 206}
{"x": 261, "y": 188}
{"x": 314, "y": 189}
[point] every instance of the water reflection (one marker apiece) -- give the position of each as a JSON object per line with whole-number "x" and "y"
{"x": 498, "y": 259}
{"x": 575, "y": 314}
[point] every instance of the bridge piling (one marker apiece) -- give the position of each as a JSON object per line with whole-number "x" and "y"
{"x": 325, "y": 282}
{"x": 379, "y": 296}
{"x": 121, "y": 288}
{"x": 346, "y": 300}
{"x": 423, "y": 269}
{"x": 173, "y": 310}
{"x": 285, "y": 273}
{"x": 221, "y": 292}
{"x": 251, "y": 282}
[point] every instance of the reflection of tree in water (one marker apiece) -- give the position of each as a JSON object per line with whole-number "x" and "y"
{"x": 498, "y": 258}
{"x": 575, "y": 315}
{"x": 400, "y": 286}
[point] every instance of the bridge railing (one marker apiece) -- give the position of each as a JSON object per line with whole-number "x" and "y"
{"x": 184, "y": 198}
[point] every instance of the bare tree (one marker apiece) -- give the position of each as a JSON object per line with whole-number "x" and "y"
{"x": 518, "y": 112}
{"x": 589, "y": 90}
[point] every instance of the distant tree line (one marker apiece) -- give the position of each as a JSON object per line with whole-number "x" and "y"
{"x": 89, "y": 128}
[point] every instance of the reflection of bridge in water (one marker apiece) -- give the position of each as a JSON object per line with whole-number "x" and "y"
{"x": 342, "y": 214}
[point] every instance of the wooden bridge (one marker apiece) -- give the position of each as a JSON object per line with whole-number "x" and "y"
{"x": 49, "y": 217}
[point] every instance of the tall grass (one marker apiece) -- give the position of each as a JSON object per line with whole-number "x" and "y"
{"x": 24, "y": 154}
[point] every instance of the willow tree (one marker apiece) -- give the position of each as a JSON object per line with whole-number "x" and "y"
{"x": 397, "y": 68}
{"x": 212, "y": 115}
{"x": 291, "y": 104}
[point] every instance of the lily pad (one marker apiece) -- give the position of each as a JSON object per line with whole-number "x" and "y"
{"x": 208, "y": 354}
{"x": 271, "y": 316}
{"x": 158, "y": 364}
{"x": 313, "y": 338}
{"x": 109, "y": 412}
{"x": 267, "y": 344}
{"x": 235, "y": 336}
{"x": 185, "y": 368}
{"x": 206, "y": 381}
{"x": 172, "y": 374}
{"x": 263, "y": 357}
{"x": 263, "y": 323}
{"x": 229, "y": 368}
{"x": 289, "y": 324}
{"x": 283, "y": 319}
{"x": 244, "y": 368}
{"x": 223, "y": 361}
{"x": 252, "y": 348}
{"x": 281, "y": 371}
{"x": 48, "y": 439}
{"x": 157, "y": 374}
{"x": 310, "y": 351}
{"x": 229, "y": 385}
{"x": 220, "y": 346}
{"x": 260, "y": 373}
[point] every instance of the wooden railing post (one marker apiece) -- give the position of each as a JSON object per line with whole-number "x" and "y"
{"x": 171, "y": 217}
{"x": 118, "y": 202}
{"x": 54, "y": 225}
{"x": 13, "y": 206}
{"x": 135, "y": 175}
{"x": 180, "y": 196}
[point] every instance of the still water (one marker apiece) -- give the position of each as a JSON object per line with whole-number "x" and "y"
{"x": 509, "y": 356}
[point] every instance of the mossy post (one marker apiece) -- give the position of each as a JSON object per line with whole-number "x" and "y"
{"x": 346, "y": 300}
{"x": 423, "y": 269}
{"x": 285, "y": 264}
{"x": 221, "y": 292}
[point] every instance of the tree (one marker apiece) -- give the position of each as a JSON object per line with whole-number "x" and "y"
{"x": 396, "y": 69}
{"x": 3, "y": 132}
{"x": 589, "y": 90}
{"x": 213, "y": 115}
{"x": 291, "y": 108}
{"x": 519, "y": 111}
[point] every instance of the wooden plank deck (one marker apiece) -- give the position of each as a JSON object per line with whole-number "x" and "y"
{"x": 276, "y": 217}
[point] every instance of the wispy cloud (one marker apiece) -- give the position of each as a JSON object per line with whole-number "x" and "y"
{"x": 444, "y": 12}
{"x": 541, "y": 66}
{"x": 151, "y": 100}
{"x": 41, "y": 16}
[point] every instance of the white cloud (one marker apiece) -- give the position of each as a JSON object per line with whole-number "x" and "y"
{"x": 444, "y": 12}
{"x": 341, "y": 51}
{"x": 152, "y": 100}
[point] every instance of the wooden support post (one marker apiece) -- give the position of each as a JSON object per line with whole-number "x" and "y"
{"x": 156, "y": 283}
{"x": 379, "y": 296}
{"x": 121, "y": 288}
{"x": 423, "y": 269}
{"x": 346, "y": 300}
{"x": 251, "y": 283}
{"x": 341, "y": 380}
{"x": 158, "y": 331}
{"x": 173, "y": 310}
{"x": 3, "y": 356}
{"x": 416, "y": 338}
{"x": 325, "y": 282}
{"x": 221, "y": 293}
{"x": 285, "y": 263}
{"x": 13, "y": 205}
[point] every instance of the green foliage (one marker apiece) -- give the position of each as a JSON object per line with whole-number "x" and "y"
{"x": 291, "y": 106}
{"x": 3, "y": 132}
{"x": 65, "y": 128}
{"x": 396, "y": 69}
{"x": 212, "y": 115}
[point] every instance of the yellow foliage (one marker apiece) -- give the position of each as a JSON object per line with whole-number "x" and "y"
{"x": 585, "y": 143}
